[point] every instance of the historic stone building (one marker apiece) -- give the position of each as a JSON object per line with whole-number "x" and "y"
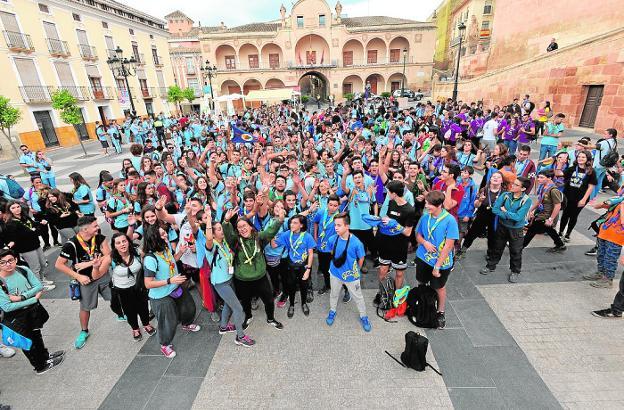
{"x": 318, "y": 51}
{"x": 584, "y": 78}
{"x": 49, "y": 45}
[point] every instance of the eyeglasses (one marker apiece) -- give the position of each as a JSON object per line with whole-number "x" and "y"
{"x": 5, "y": 262}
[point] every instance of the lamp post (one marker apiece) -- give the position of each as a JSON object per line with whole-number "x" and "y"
{"x": 209, "y": 72}
{"x": 461, "y": 27}
{"x": 403, "y": 80}
{"x": 123, "y": 67}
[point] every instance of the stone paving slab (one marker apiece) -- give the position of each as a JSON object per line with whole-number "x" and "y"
{"x": 579, "y": 357}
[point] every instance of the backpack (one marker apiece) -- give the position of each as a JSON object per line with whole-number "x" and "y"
{"x": 386, "y": 295}
{"x": 611, "y": 158}
{"x": 15, "y": 189}
{"x": 415, "y": 354}
{"x": 422, "y": 307}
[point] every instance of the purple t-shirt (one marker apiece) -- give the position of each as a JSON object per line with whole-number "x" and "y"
{"x": 475, "y": 125}
{"x": 454, "y": 130}
{"x": 510, "y": 132}
{"x": 524, "y": 138}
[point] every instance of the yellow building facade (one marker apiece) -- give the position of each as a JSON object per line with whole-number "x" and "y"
{"x": 65, "y": 44}
{"x": 318, "y": 51}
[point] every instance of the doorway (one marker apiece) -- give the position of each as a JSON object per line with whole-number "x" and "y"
{"x": 592, "y": 103}
{"x": 81, "y": 128}
{"x": 149, "y": 108}
{"x": 314, "y": 84}
{"x": 104, "y": 113}
{"x": 46, "y": 127}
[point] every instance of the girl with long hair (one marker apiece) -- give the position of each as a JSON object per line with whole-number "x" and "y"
{"x": 146, "y": 195}
{"x": 104, "y": 189}
{"x": 119, "y": 208}
{"x": 61, "y": 214}
{"x": 126, "y": 268}
{"x": 82, "y": 195}
{"x": 579, "y": 182}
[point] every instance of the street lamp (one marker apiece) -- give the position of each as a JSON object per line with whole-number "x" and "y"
{"x": 123, "y": 67}
{"x": 209, "y": 72}
{"x": 403, "y": 80}
{"x": 461, "y": 27}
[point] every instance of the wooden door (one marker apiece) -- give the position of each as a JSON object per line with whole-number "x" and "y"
{"x": 592, "y": 103}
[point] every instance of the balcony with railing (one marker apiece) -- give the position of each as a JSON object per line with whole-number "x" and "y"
{"x": 87, "y": 52}
{"x": 17, "y": 41}
{"x": 140, "y": 59}
{"x": 301, "y": 65}
{"x": 102, "y": 93}
{"x": 33, "y": 94}
{"x": 260, "y": 67}
{"x": 163, "y": 92}
{"x": 80, "y": 93}
{"x": 58, "y": 48}
{"x": 377, "y": 62}
{"x": 158, "y": 61}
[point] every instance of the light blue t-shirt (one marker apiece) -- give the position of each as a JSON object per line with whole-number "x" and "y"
{"x": 358, "y": 206}
{"x": 156, "y": 263}
{"x": 350, "y": 270}
{"x": 82, "y": 193}
{"x": 220, "y": 270}
{"x": 552, "y": 129}
{"x": 437, "y": 231}
{"x": 28, "y": 159}
{"x": 297, "y": 245}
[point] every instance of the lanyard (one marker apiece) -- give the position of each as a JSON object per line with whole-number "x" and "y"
{"x": 327, "y": 222}
{"x": 431, "y": 229}
{"x": 168, "y": 257}
{"x": 249, "y": 259}
{"x": 295, "y": 245}
{"x": 224, "y": 250}
{"x": 27, "y": 223}
{"x": 89, "y": 249}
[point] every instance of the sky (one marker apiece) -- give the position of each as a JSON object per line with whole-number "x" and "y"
{"x": 212, "y": 12}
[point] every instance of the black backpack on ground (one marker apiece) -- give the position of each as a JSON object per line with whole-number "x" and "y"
{"x": 422, "y": 307}
{"x": 415, "y": 354}
{"x": 386, "y": 295}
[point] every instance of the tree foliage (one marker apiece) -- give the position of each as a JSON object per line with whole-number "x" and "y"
{"x": 175, "y": 94}
{"x": 189, "y": 94}
{"x": 65, "y": 103}
{"x": 9, "y": 116}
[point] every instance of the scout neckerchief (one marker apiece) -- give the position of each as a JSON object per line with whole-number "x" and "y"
{"x": 224, "y": 250}
{"x": 249, "y": 259}
{"x": 89, "y": 249}
{"x": 326, "y": 222}
{"x": 295, "y": 245}
{"x": 169, "y": 259}
{"x": 27, "y": 222}
{"x": 431, "y": 229}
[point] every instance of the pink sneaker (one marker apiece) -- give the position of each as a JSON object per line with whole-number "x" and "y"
{"x": 281, "y": 303}
{"x": 245, "y": 341}
{"x": 192, "y": 328}
{"x": 168, "y": 351}
{"x": 229, "y": 328}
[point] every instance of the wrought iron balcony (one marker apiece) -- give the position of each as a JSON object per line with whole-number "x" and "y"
{"x": 17, "y": 41}
{"x": 87, "y": 52}
{"x": 163, "y": 91}
{"x": 309, "y": 64}
{"x": 80, "y": 93}
{"x": 35, "y": 93}
{"x": 58, "y": 48}
{"x": 102, "y": 93}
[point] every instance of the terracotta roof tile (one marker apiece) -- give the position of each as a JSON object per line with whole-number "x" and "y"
{"x": 371, "y": 21}
{"x": 255, "y": 27}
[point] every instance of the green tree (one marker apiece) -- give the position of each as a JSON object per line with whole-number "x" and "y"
{"x": 176, "y": 96}
{"x": 65, "y": 103}
{"x": 9, "y": 116}
{"x": 189, "y": 94}
{"x": 349, "y": 96}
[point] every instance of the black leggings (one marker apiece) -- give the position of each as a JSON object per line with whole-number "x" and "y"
{"x": 246, "y": 289}
{"x": 482, "y": 222}
{"x": 277, "y": 275}
{"x": 38, "y": 353}
{"x": 134, "y": 303}
{"x": 294, "y": 277}
{"x": 324, "y": 260}
{"x": 570, "y": 217}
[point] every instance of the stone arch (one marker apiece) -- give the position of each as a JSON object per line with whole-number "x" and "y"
{"x": 250, "y": 85}
{"x": 376, "y": 51}
{"x": 396, "y": 47}
{"x": 394, "y": 82}
{"x": 377, "y": 82}
{"x": 274, "y": 83}
{"x": 230, "y": 87}
{"x": 249, "y": 56}
{"x": 352, "y": 84}
{"x": 312, "y": 50}
{"x": 223, "y": 55}
{"x": 267, "y": 54}
{"x": 314, "y": 84}
{"x": 353, "y": 53}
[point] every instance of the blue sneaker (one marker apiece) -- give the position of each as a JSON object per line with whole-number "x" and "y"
{"x": 122, "y": 318}
{"x": 330, "y": 317}
{"x": 81, "y": 339}
{"x": 365, "y": 324}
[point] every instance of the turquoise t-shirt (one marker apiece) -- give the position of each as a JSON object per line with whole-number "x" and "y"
{"x": 350, "y": 270}
{"x": 220, "y": 270}
{"x": 116, "y": 204}
{"x": 156, "y": 266}
{"x": 358, "y": 206}
{"x": 83, "y": 192}
{"x": 297, "y": 245}
{"x": 552, "y": 129}
{"x": 437, "y": 231}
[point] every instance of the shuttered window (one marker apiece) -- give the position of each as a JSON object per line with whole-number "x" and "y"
{"x": 64, "y": 73}
{"x": 27, "y": 72}
{"x": 161, "y": 79}
{"x": 92, "y": 71}
{"x": 50, "y": 30}
{"x": 141, "y": 74}
{"x": 82, "y": 37}
{"x": 9, "y": 21}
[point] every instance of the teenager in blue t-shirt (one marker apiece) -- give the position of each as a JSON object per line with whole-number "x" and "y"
{"x": 323, "y": 230}
{"x": 300, "y": 247}
{"x": 436, "y": 234}
{"x": 345, "y": 267}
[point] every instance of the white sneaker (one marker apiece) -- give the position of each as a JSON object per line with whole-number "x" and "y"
{"x": 45, "y": 281}
{"x": 6, "y": 351}
{"x": 49, "y": 287}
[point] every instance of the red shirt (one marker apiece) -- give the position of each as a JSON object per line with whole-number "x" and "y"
{"x": 457, "y": 195}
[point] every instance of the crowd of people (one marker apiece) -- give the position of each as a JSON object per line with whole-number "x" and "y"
{"x": 242, "y": 207}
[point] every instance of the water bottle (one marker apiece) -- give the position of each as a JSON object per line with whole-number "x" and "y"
{"x": 74, "y": 290}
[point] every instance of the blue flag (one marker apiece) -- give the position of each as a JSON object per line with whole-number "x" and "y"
{"x": 241, "y": 137}
{"x": 357, "y": 125}
{"x": 12, "y": 338}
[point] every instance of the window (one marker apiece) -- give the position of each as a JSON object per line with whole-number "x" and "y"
{"x": 485, "y": 25}
{"x": 395, "y": 55}
{"x": 299, "y": 21}
{"x": 131, "y": 31}
{"x": 135, "y": 51}
{"x": 371, "y": 57}
{"x": 190, "y": 65}
{"x": 395, "y": 85}
{"x": 76, "y": 17}
{"x": 347, "y": 88}
{"x": 193, "y": 83}
{"x": 44, "y": 8}
{"x": 347, "y": 58}
{"x": 121, "y": 84}
{"x": 104, "y": 24}
{"x": 310, "y": 57}
{"x": 322, "y": 20}
{"x": 274, "y": 61}
{"x": 487, "y": 7}
{"x": 253, "y": 61}
{"x": 155, "y": 56}
{"x": 230, "y": 62}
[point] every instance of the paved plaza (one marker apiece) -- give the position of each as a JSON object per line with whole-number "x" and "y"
{"x": 531, "y": 345}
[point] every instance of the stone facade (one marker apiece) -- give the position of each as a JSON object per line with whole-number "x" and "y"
{"x": 320, "y": 52}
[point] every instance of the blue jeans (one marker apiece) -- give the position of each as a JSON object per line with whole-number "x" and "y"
{"x": 600, "y": 175}
{"x": 49, "y": 181}
{"x": 608, "y": 255}
{"x": 511, "y": 145}
{"x": 231, "y": 307}
{"x": 547, "y": 151}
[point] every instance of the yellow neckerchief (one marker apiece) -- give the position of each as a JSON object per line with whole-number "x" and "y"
{"x": 89, "y": 249}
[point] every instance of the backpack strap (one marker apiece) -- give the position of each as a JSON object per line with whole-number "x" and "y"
{"x": 19, "y": 269}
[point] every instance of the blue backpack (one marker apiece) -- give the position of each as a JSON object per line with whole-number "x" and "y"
{"x": 15, "y": 189}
